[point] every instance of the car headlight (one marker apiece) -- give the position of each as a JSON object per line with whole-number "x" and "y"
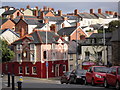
{"x": 98, "y": 76}
{"x": 78, "y": 76}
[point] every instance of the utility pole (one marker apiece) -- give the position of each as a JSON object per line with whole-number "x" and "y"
{"x": 46, "y": 55}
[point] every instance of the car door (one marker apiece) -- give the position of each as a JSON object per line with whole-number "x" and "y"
{"x": 108, "y": 76}
{"x": 113, "y": 76}
{"x": 118, "y": 74}
{"x": 89, "y": 75}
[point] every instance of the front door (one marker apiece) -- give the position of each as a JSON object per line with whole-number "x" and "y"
{"x": 57, "y": 70}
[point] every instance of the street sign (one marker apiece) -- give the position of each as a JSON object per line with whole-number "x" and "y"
{"x": 46, "y": 64}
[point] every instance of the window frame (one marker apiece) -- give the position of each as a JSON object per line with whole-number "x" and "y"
{"x": 64, "y": 68}
{"x": 33, "y": 70}
{"x": 18, "y": 47}
{"x": 26, "y": 70}
{"x": 20, "y": 68}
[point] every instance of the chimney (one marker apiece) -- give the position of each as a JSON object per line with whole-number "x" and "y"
{"x": 49, "y": 9}
{"x": 63, "y": 25}
{"x": 35, "y": 12}
{"x": 111, "y": 13}
{"x": 54, "y": 28}
{"x": 107, "y": 12}
{"x": 65, "y": 18}
{"x": 42, "y": 15}
{"x": 59, "y": 13}
{"x": 77, "y": 24}
{"x": 76, "y": 12}
{"x": 22, "y": 9}
{"x": 46, "y": 20}
{"x": 116, "y": 14}
{"x": 22, "y": 17}
{"x": 91, "y": 11}
{"x": 11, "y": 17}
{"x": 28, "y": 7}
{"x": 41, "y": 10}
{"x": 6, "y": 9}
{"x": 52, "y": 9}
{"x": 36, "y": 7}
{"x": 100, "y": 11}
{"x": 45, "y": 8}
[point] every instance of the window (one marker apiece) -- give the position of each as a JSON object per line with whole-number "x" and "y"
{"x": 32, "y": 46}
{"x": 71, "y": 67}
{"x": 113, "y": 70}
{"x": 71, "y": 56}
{"x": 27, "y": 70}
{"x": 99, "y": 55}
{"x": 19, "y": 47}
{"x": 6, "y": 67}
{"x": 118, "y": 71}
{"x": 45, "y": 55}
{"x": 34, "y": 70}
{"x": 87, "y": 55}
{"x": 53, "y": 46}
{"x": 53, "y": 55}
{"x": 64, "y": 68}
{"x": 19, "y": 57}
{"x": 65, "y": 55}
{"x": 20, "y": 70}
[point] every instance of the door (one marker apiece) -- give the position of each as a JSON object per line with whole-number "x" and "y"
{"x": 57, "y": 70}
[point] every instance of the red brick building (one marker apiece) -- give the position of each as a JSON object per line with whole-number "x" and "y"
{"x": 33, "y": 55}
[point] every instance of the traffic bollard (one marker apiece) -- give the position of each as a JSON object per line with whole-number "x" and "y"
{"x": 13, "y": 83}
{"x": 8, "y": 79}
{"x": 19, "y": 85}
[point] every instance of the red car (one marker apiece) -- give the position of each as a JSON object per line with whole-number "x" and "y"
{"x": 96, "y": 74}
{"x": 113, "y": 77}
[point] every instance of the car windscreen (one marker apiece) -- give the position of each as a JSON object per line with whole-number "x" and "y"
{"x": 119, "y": 71}
{"x": 81, "y": 72}
{"x": 101, "y": 69}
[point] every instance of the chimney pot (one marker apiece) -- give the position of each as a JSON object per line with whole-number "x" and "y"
{"x": 107, "y": 12}
{"x": 91, "y": 11}
{"x": 22, "y": 17}
{"x": 77, "y": 24}
{"x": 28, "y": 6}
{"x": 99, "y": 10}
{"x": 65, "y": 18}
{"x": 76, "y": 12}
{"x": 59, "y": 13}
{"x": 36, "y": 7}
{"x": 45, "y": 20}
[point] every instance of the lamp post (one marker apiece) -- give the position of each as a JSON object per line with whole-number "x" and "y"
{"x": 46, "y": 56}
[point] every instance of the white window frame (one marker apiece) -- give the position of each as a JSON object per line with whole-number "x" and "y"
{"x": 19, "y": 47}
{"x": 71, "y": 68}
{"x": 31, "y": 56}
{"x": 20, "y": 57}
{"x": 32, "y": 46}
{"x": 20, "y": 69}
{"x": 26, "y": 70}
{"x": 32, "y": 70}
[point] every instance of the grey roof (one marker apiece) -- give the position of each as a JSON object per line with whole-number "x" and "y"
{"x": 9, "y": 12}
{"x": 100, "y": 15}
{"x": 67, "y": 31}
{"x": 27, "y": 17}
{"x": 96, "y": 26}
{"x": 15, "y": 20}
{"x": 71, "y": 17}
{"x": 2, "y": 21}
{"x": 50, "y": 18}
{"x": 40, "y": 25}
{"x": 100, "y": 35}
{"x": 31, "y": 21}
{"x": 87, "y": 15}
{"x": 60, "y": 21}
{"x": 40, "y": 37}
{"x": 116, "y": 35}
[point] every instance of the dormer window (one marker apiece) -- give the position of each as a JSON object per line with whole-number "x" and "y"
{"x": 32, "y": 46}
{"x": 19, "y": 47}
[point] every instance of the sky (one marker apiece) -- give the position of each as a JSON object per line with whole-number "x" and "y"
{"x": 66, "y": 7}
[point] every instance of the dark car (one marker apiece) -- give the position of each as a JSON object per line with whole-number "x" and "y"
{"x": 77, "y": 76}
{"x": 65, "y": 78}
{"x": 113, "y": 77}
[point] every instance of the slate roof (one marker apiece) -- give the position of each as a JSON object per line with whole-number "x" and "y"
{"x": 40, "y": 37}
{"x": 100, "y": 15}
{"x": 40, "y": 25}
{"x": 66, "y": 31}
{"x": 27, "y": 17}
{"x": 116, "y": 35}
{"x": 71, "y": 17}
{"x": 72, "y": 47}
{"x": 50, "y": 18}
{"x": 87, "y": 15}
{"x": 31, "y": 22}
{"x": 100, "y": 35}
{"x": 9, "y": 12}
{"x": 96, "y": 26}
{"x": 2, "y": 21}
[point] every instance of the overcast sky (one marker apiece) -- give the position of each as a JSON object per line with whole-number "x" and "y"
{"x": 67, "y": 7}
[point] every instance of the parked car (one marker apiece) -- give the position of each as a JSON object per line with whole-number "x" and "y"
{"x": 65, "y": 78}
{"x": 77, "y": 76}
{"x": 113, "y": 77}
{"x": 96, "y": 74}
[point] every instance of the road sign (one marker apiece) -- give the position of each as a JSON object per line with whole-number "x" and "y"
{"x": 46, "y": 64}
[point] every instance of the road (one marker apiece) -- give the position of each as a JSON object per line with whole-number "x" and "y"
{"x": 32, "y": 83}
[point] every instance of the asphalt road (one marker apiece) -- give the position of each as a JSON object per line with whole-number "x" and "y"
{"x": 37, "y": 83}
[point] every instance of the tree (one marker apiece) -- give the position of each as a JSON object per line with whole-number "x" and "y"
{"x": 113, "y": 25}
{"x": 6, "y": 53}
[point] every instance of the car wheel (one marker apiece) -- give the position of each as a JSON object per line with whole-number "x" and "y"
{"x": 70, "y": 81}
{"x": 61, "y": 82}
{"x": 117, "y": 86}
{"x": 93, "y": 82}
{"x": 85, "y": 82}
{"x": 106, "y": 84}
{"x": 75, "y": 81}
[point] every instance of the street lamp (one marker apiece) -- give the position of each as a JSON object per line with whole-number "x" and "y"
{"x": 46, "y": 56}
